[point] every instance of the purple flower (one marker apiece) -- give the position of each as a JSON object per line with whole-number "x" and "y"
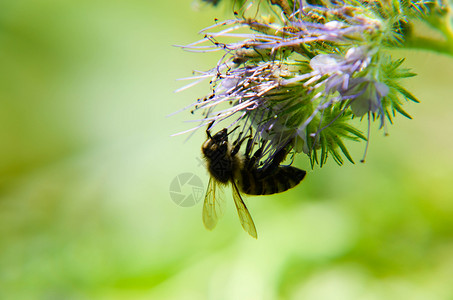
{"x": 364, "y": 92}
{"x": 296, "y": 83}
{"x": 366, "y": 95}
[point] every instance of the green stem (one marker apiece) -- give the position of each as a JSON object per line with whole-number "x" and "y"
{"x": 418, "y": 42}
{"x": 442, "y": 24}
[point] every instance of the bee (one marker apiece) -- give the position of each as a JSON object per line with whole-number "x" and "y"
{"x": 225, "y": 165}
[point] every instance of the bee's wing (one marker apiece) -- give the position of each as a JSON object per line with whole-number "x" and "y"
{"x": 213, "y": 204}
{"x": 244, "y": 215}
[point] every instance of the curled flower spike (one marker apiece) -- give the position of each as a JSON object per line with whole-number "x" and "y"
{"x": 296, "y": 83}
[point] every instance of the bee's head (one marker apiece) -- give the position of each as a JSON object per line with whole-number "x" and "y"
{"x": 216, "y": 145}
{"x": 220, "y": 137}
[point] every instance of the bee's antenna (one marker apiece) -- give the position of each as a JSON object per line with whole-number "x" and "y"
{"x": 210, "y": 125}
{"x": 233, "y": 130}
{"x": 209, "y": 128}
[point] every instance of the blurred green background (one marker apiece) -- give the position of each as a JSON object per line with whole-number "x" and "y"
{"x": 86, "y": 161}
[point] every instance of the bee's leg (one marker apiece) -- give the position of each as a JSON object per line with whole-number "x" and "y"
{"x": 280, "y": 156}
{"x": 248, "y": 149}
{"x": 252, "y": 161}
{"x": 277, "y": 159}
{"x": 237, "y": 145}
{"x": 238, "y": 140}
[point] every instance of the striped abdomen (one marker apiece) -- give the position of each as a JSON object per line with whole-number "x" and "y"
{"x": 281, "y": 179}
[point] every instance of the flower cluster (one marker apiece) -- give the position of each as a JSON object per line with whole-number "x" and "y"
{"x": 299, "y": 80}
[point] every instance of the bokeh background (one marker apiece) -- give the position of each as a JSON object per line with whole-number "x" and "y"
{"x": 86, "y": 162}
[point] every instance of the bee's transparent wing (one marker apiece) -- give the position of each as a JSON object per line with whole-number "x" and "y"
{"x": 213, "y": 206}
{"x": 244, "y": 215}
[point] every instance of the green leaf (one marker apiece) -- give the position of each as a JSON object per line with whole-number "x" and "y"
{"x": 343, "y": 149}
{"x": 336, "y": 156}
{"x": 400, "y": 110}
{"x": 353, "y": 131}
{"x": 406, "y": 93}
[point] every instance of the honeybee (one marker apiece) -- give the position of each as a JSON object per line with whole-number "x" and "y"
{"x": 226, "y": 165}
